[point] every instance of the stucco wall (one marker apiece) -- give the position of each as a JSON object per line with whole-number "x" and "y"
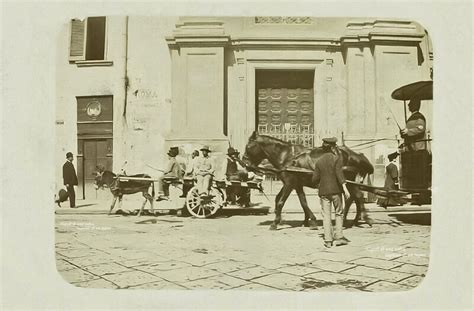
{"x": 87, "y": 81}
{"x": 138, "y": 137}
{"x": 352, "y": 86}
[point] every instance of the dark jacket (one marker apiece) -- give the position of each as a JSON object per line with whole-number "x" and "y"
{"x": 416, "y": 126}
{"x": 69, "y": 174}
{"x": 328, "y": 174}
{"x": 173, "y": 169}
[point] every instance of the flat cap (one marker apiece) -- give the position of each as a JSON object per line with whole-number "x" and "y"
{"x": 330, "y": 140}
{"x": 393, "y": 155}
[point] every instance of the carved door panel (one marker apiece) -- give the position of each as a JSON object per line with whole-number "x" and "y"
{"x": 285, "y": 97}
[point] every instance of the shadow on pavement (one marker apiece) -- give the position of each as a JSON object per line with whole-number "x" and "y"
{"x": 224, "y": 213}
{"x": 156, "y": 220}
{"x": 423, "y": 219}
{"x": 85, "y": 205}
{"x": 287, "y": 224}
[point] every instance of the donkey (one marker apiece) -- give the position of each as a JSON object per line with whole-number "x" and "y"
{"x": 119, "y": 188}
{"x": 282, "y": 155}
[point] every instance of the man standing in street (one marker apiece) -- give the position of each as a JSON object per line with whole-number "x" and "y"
{"x": 329, "y": 179}
{"x": 70, "y": 179}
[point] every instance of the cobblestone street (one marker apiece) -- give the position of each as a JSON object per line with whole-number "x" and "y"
{"x": 238, "y": 252}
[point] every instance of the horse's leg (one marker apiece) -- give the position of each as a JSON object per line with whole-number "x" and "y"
{"x": 308, "y": 214}
{"x": 278, "y": 196}
{"x": 113, "y": 204}
{"x": 120, "y": 202}
{"x": 363, "y": 211}
{"x": 347, "y": 206}
{"x": 144, "y": 202}
{"x": 282, "y": 197}
{"x": 148, "y": 198}
{"x": 359, "y": 200}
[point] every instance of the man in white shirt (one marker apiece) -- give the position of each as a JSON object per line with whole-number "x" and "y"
{"x": 204, "y": 171}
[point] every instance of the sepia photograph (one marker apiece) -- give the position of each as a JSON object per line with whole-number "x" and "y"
{"x": 255, "y": 155}
{"x": 243, "y": 153}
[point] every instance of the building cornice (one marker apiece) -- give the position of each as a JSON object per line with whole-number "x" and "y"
{"x": 202, "y": 33}
{"x": 380, "y": 38}
{"x": 381, "y": 31}
{"x": 289, "y": 42}
{"x": 196, "y": 40}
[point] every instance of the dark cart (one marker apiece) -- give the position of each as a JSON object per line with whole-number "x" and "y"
{"x": 415, "y": 165}
{"x": 207, "y": 206}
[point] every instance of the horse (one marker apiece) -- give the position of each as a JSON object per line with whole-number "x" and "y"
{"x": 282, "y": 155}
{"x": 119, "y": 188}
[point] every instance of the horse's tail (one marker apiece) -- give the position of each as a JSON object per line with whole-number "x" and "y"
{"x": 153, "y": 189}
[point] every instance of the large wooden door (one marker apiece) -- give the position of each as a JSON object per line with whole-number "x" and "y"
{"x": 93, "y": 152}
{"x": 95, "y": 141}
{"x": 285, "y": 101}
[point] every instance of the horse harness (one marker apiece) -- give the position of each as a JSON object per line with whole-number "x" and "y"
{"x": 288, "y": 166}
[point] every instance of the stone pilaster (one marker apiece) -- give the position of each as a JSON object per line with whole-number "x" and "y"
{"x": 197, "y": 53}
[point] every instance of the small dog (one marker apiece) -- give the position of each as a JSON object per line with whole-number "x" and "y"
{"x": 62, "y": 196}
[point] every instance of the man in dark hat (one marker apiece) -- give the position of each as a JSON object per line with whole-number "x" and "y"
{"x": 391, "y": 180}
{"x": 236, "y": 172}
{"x": 170, "y": 174}
{"x": 415, "y": 132}
{"x": 329, "y": 179}
{"x": 70, "y": 179}
{"x": 204, "y": 171}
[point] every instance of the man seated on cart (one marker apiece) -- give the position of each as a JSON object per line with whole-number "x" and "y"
{"x": 171, "y": 174}
{"x": 189, "y": 172}
{"x": 204, "y": 171}
{"x": 236, "y": 172}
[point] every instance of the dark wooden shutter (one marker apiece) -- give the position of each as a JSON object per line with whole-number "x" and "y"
{"x": 77, "y": 46}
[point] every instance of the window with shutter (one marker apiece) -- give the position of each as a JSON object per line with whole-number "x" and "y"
{"x": 88, "y": 38}
{"x": 77, "y": 46}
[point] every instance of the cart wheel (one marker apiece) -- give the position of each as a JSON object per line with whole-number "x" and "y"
{"x": 204, "y": 207}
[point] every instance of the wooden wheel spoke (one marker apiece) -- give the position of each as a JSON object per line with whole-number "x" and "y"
{"x": 203, "y": 207}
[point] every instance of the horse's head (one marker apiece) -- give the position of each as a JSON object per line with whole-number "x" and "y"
{"x": 254, "y": 154}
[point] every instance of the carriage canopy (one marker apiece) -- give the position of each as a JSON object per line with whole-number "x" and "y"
{"x": 422, "y": 90}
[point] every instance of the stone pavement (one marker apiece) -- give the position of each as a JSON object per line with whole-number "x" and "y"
{"x": 238, "y": 252}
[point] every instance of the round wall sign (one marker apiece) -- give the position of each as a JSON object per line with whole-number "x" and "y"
{"x": 94, "y": 109}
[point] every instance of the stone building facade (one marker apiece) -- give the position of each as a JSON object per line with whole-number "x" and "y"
{"x": 130, "y": 87}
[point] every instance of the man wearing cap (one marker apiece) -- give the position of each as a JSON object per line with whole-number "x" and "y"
{"x": 70, "y": 179}
{"x": 415, "y": 132}
{"x": 170, "y": 174}
{"x": 329, "y": 179}
{"x": 204, "y": 171}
